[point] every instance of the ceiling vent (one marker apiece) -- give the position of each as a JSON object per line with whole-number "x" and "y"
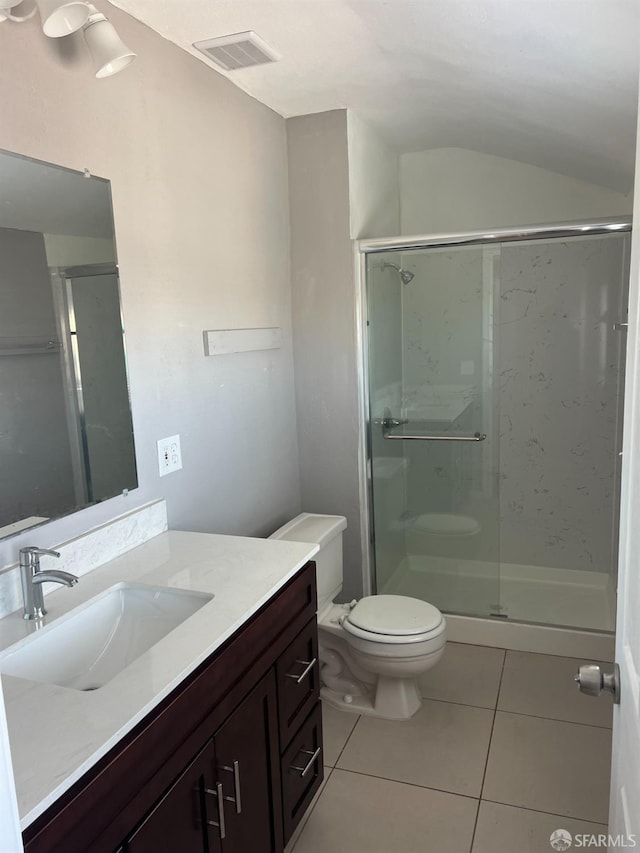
{"x": 240, "y": 50}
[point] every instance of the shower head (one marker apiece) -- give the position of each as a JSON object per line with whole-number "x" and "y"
{"x": 405, "y": 275}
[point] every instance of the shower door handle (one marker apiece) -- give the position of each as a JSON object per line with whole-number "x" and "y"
{"x": 478, "y": 436}
{"x": 389, "y": 422}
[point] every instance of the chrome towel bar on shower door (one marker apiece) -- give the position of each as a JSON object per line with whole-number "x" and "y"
{"x": 478, "y": 436}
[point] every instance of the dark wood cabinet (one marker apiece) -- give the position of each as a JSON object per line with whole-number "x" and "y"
{"x": 178, "y": 822}
{"x": 228, "y": 798}
{"x": 302, "y": 770}
{"x": 298, "y": 674}
{"x": 248, "y": 772}
{"x": 227, "y": 763}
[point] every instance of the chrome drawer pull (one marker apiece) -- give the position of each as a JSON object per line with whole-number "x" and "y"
{"x": 236, "y": 784}
{"x": 219, "y": 794}
{"x": 308, "y": 664}
{"x": 304, "y": 770}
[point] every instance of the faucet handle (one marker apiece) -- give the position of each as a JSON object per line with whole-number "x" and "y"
{"x": 39, "y": 552}
{"x": 30, "y": 557}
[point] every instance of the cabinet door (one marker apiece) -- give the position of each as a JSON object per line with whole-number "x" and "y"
{"x": 178, "y": 821}
{"x": 247, "y": 765}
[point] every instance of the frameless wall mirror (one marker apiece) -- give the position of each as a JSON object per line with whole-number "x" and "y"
{"x": 66, "y": 436}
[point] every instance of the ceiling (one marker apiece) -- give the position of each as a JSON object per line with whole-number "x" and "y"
{"x": 547, "y": 82}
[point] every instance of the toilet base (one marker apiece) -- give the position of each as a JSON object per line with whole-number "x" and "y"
{"x": 388, "y": 699}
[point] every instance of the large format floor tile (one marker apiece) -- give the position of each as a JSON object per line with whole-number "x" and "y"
{"x": 361, "y": 814}
{"x": 299, "y": 828}
{"x": 443, "y": 746}
{"x": 550, "y": 766}
{"x": 543, "y": 686}
{"x": 469, "y": 675}
{"x": 505, "y": 829}
{"x": 336, "y": 728}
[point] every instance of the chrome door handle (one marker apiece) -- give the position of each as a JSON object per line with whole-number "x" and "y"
{"x": 308, "y": 664}
{"x": 592, "y": 681}
{"x": 304, "y": 770}
{"x": 237, "y": 800}
{"x": 219, "y": 794}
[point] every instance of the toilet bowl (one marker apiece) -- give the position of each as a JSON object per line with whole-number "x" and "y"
{"x": 372, "y": 651}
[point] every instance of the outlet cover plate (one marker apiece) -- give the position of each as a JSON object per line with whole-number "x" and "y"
{"x": 169, "y": 455}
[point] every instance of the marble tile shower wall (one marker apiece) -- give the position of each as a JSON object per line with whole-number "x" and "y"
{"x": 442, "y": 319}
{"x": 560, "y": 377}
{"x": 444, "y": 322}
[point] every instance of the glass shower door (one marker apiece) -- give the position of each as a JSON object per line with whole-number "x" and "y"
{"x": 562, "y": 349}
{"x": 434, "y": 426}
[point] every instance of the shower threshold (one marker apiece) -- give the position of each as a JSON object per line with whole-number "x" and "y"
{"x": 564, "y": 598}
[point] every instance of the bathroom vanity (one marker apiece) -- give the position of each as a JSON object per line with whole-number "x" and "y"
{"x": 228, "y": 757}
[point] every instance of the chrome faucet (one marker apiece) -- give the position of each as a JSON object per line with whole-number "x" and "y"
{"x": 32, "y": 579}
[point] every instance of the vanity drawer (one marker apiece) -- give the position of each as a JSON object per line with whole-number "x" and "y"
{"x": 298, "y": 680}
{"x": 302, "y": 770}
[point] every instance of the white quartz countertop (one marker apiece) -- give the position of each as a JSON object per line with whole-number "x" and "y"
{"x": 58, "y": 733}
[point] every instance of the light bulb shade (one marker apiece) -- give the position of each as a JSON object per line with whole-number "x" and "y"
{"x": 62, "y": 17}
{"x": 109, "y": 53}
{"x": 21, "y": 11}
{"x": 17, "y": 10}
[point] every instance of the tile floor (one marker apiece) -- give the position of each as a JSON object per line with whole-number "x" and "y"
{"x": 504, "y": 751}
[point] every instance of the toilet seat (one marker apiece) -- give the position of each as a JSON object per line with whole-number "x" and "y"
{"x": 393, "y": 620}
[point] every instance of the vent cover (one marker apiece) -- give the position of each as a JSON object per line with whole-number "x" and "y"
{"x": 240, "y": 50}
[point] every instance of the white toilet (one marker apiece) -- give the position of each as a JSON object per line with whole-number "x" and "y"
{"x": 373, "y": 650}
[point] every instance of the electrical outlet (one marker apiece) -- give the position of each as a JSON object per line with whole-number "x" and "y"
{"x": 169, "y": 455}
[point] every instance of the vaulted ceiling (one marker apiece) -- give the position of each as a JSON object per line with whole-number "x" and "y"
{"x": 547, "y": 82}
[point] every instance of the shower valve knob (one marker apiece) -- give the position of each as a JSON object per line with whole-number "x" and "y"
{"x": 592, "y": 681}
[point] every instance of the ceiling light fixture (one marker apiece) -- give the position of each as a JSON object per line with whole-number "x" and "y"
{"x": 109, "y": 53}
{"x": 11, "y": 10}
{"x": 63, "y": 17}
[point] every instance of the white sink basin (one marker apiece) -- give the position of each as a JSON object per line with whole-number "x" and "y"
{"x": 90, "y": 645}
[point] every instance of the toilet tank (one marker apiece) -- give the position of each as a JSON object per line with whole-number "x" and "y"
{"x": 326, "y": 532}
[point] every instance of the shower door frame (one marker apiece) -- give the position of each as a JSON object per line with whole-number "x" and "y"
{"x": 364, "y": 248}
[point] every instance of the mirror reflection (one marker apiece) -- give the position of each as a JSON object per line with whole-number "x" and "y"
{"x": 66, "y": 435}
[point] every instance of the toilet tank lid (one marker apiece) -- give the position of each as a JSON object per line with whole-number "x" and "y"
{"x": 310, "y": 527}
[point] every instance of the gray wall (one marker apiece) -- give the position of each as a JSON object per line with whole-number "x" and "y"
{"x": 35, "y": 463}
{"x": 199, "y": 181}
{"x": 457, "y": 190}
{"x": 324, "y": 322}
{"x": 374, "y": 187}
